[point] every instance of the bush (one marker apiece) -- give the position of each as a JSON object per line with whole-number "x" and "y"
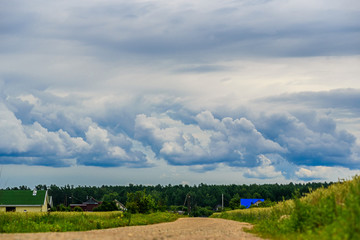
{"x": 202, "y": 212}
{"x": 78, "y": 209}
{"x": 106, "y": 207}
{"x": 63, "y": 208}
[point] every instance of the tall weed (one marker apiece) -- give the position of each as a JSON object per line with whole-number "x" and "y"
{"x": 332, "y": 213}
{"x": 76, "y": 221}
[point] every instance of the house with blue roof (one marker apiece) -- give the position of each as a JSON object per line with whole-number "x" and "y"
{"x": 247, "y": 202}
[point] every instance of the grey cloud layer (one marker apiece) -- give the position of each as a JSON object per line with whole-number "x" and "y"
{"x": 182, "y": 29}
{"x": 337, "y": 99}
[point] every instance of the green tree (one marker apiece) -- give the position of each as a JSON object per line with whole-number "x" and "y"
{"x": 109, "y": 197}
{"x": 256, "y": 195}
{"x": 235, "y": 202}
{"x": 140, "y": 202}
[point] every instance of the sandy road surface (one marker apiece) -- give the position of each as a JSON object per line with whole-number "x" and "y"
{"x": 184, "y": 228}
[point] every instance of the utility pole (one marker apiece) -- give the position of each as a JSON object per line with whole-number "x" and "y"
{"x": 222, "y": 202}
{"x": 188, "y": 200}
{"x": 189, "y": 204}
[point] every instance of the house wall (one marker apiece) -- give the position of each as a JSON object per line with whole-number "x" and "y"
{"x": 27, "y": 208}
{"x": 44, "y": 208}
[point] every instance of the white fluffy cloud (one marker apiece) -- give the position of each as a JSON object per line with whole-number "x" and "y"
{"x": 34, "y": 144}
{"x": 264, "y": 171}
{"x": 13, "y": 136}
{"x": 235, "y": 142}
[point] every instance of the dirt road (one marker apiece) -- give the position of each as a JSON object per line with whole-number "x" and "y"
{"x": 184, "y": 228}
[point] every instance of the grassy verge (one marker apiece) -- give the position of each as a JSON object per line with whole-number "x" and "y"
{"x": 76, "y": 221}
{"x": 332, "y": 213}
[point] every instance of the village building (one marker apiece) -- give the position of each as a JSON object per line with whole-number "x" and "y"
{"x": 92, "y": 203}
{"x": 119, "y": 205}
{"x": 247, "y": 202}
{"x": 87, "y": 206}
{"x": 25, "y": 201}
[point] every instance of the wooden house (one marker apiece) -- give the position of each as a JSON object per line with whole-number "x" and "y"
{"x": 25, "y": 201}
{"x": 87, "y": 206}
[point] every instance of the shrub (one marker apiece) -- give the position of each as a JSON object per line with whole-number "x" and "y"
{"x": 106, "y": 207}
{"x": 78, "y": 209}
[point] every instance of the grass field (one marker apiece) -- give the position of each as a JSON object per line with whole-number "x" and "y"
{"x": 76, "y": 221}
{"x": 332, "y": 213}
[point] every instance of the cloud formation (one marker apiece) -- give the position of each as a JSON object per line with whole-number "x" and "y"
{"x": 232, "y": 141}
{"x": 65, "y": 137}
{"x": 310, "y": 139}
{"x": 33, "y": 144}
{"x": 261, "y": 87}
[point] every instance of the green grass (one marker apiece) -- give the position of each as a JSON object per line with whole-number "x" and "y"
{"x": 332, "y": 213}
{"x": 76, "y": 221}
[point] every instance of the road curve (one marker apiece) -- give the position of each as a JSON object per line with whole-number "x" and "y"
{"x": 181, "y": 229}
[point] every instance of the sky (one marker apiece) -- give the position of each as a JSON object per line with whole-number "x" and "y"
{"x": 105, "y": 92}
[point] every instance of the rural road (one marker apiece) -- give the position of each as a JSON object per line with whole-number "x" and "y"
{"x": 183, "y": 228}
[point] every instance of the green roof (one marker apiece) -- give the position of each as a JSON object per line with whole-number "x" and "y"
{"x": 22, "y": 197}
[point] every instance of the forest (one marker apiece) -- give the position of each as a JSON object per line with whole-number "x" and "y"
{"x": 202, "y": 195}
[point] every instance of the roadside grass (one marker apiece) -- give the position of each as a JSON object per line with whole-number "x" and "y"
{"x": 332, "y": 213}
{"x": 77, "y": 221}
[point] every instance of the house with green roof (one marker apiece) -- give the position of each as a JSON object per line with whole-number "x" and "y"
{"x": 24, "y": 201}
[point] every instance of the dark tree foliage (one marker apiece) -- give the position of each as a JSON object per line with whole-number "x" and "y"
{"x": 202, "y": 195}
{"x": 106, "y": 207}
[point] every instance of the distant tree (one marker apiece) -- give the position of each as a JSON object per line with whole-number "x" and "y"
{"x": 202, "y": 195}
{"x": 256, "y": 195}
{"x": 41, "y": 187}
{"x": 235, "y": 201}
{"x": 109, "y": 197}
{"x": 160, "y": 200}
{"x": 140, "y": 202}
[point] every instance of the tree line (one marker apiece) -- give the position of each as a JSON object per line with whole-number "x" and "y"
{"x": 165, "y": 196}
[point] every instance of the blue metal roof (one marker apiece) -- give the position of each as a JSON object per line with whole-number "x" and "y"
{"x": 247, "y": 202}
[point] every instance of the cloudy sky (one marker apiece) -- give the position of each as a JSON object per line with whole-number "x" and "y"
{"x": 156, "y": 92}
